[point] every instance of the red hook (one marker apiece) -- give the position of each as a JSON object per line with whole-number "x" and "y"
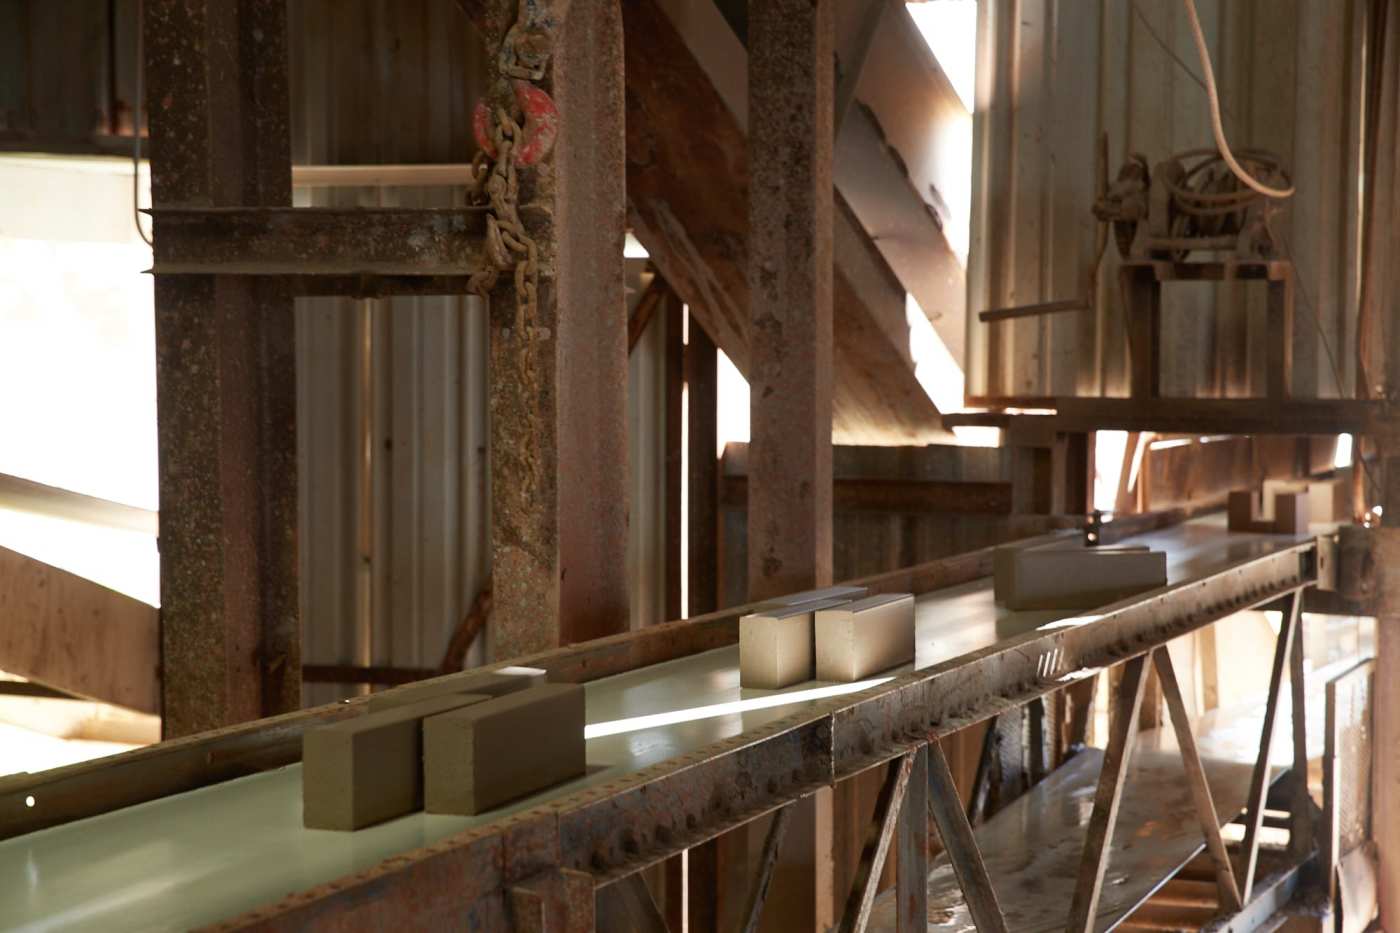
{"x": 540, "y": 130}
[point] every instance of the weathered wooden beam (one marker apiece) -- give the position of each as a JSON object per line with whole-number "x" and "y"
{"x": 353, "y": 674}
{"x": 674, "y": 350}
{"x": 559, "y": 368}
{"x": 1259, "y": 780}
{"x": 680, "y": 127}
{"x": 331, "y": 241}
{"x": 790, "y": 274}
{"x": 1385, "y": 816}
{"x": 225, "y": 372}
{"x": 1196, "y": 777}
{"x": 955, "y": 831}
{"x": 1123, "y": 734}
{"x": 68, "y": 632}
{"x": 899, "y": 496}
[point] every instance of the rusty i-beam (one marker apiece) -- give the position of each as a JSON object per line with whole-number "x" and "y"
{"x": 558, "y": 380}
{"x": 225, "y": 372}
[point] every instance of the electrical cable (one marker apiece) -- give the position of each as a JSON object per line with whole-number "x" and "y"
{"x": 136, "y": 134}
{"x": 1215, "y": 124}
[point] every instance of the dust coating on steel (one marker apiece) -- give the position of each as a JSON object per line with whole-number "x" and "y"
{"x": 767, "y": 861}
{"x": 911, "y": 847}
{"x": 1084, "y": 907}
{"x": 1196, "y": 778}
{"x": 877, "y": 846}
{"x": 1259, "y": 783}
{"x": 958, "y": 841}
{"x": 318, "y": 241}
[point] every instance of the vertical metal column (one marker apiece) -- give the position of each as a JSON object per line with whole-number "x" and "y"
{"x": 558, "y": 382}
{"x": 216, "y": 91}
{"x": 790, "y": 279}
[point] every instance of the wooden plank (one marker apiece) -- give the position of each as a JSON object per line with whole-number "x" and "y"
{"x": 767, "y": 862}
{"x": 1196, "y": 777}
{"x": 1259, "y": 782}
{"x": 1123, "y": 733}
{"x": 877, "y": 846}
{"x": 24, "y": 495}
{"x": 911, "y": 845}
{"x": 899, "y": 496}
{"x": 1280, "y": 338}
{"x": 1385, "y": 819}
{"x": 1143, "y": 296}
{"x": 70, "y": 633}
{"x": 955, "y": 831}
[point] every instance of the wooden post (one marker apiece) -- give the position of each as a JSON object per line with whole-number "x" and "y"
{"x": 1144, "y": 297}
{"x": 911, "y": 865}
{"x": 674, "y": 314}
{"x": 790, "y": 280}
{"x": 225, "y": 373}
{"x": 559, "y": 380}
{"x": 702, "y": 386}
{"x": 955, "y": 832}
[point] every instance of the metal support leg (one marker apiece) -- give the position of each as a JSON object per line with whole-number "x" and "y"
{"x": 556, "y": 901}
{"x": 911, "y": 878}
{"x": 877, "y": 846}
{"x": 982, "y": 781}
{"x": 1105, "y": 816}
{"x": 1259, "y": 783}
{"x": 1196, "y": 776}
{"x": 1300, "y": 828}
{"x": 956, "y": 833}
{"x": 772, "y": 845}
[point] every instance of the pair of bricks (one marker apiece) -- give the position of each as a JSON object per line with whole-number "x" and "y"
{"x": 837, "y": 634}
{"x": 460, "y": 746}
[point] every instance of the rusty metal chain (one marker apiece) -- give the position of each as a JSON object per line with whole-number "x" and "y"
{"x": 504, "y": 149}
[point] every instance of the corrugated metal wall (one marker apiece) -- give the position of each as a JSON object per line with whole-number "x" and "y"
{"x": 395, "y": 532}
{"x": 1055, "y": 74}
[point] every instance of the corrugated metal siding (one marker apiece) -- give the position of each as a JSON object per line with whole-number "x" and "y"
{"x": 395, "y": 525}
{"x": 1055, "y": 74}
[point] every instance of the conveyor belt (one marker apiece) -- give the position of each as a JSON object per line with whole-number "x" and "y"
{"x": 209, "y": 854}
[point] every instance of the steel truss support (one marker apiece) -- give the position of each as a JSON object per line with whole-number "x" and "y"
{"x": 767, "y": 862}
{"x": 1196, "y": 777}
{"x": 877, "y": 845}
{"x": 961, "y": 846}
{"x": 626, "y": 906}
{"x": 1122, "y": 736}
{"x": 1259, "y": 782}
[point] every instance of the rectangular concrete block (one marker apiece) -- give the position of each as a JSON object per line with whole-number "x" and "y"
{"x": 366, "y": 770}
{"x": 479, "y": 757}
{"x": 860, "y": 638}
{"x": 488, "y": 683}
{"x": 1082, "y": 578}
{"x": 777, "y": 647}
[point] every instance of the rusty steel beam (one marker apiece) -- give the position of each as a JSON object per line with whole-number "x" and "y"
{"x": 559, "y": 489}
{"x": 896, "y": 495}
{"x": 791, "y": 43}
{"x": 316, "y": 241}
{"x": 225, "y": 372}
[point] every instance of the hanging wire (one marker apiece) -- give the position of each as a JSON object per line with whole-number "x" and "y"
{"x": 1215, "y": 124}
